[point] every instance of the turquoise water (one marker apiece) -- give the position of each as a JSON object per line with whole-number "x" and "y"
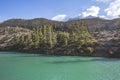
{"x": 17, "y": 66}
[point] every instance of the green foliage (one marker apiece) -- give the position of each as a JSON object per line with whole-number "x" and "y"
{"x": 90, "y": 49}
{"x": 46, "y": 38}
{"x": 80, "y": 35}
{"x": 62, "y": 38}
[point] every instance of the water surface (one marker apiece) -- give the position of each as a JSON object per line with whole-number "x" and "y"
{"x": 18, "y": 66}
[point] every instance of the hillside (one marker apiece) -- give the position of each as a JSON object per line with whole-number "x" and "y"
{"x": 94, "y": 24}
{"x": 7, "y": 35}
{"x": 85, "y": 37}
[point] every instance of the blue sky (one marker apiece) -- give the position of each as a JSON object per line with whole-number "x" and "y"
{"x": 58, "y": 9}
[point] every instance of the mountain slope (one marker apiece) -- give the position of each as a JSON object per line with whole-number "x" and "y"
{"x": 93, "y": 23}
{"x": 102, "y": 37}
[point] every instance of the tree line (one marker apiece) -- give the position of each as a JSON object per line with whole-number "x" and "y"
{"x": 47, "y": 38}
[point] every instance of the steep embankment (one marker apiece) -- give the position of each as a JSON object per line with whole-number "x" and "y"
{"x": 108, "y": 43}
{"x": 105, "y": 34}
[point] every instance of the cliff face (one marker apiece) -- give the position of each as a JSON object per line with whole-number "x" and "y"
{"x": 108, "y": 42}
{"x": 106, "y": 34}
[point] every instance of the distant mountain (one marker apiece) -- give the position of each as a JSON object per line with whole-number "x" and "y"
{"x": 27, "y": 23}
{"x": 90, "y": 17}
{"x": 93, "y": 23}
{"x": 98, "y": 23}
{"x": 79, "y": 17}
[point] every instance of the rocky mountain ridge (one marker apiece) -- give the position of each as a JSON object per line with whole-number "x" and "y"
{"x": 94, "y": 24}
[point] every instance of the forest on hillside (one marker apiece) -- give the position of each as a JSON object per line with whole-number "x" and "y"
{"x": 46, "y": 39}
{"x": 87, "y": 37}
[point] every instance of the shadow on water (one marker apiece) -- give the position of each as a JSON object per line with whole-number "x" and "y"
{"x": 80, "y": 61}
{"x": 68, "y": 61}
{"x": 62, "y": 61}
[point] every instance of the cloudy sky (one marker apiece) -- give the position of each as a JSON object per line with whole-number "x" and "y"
{"x": 58, "y": 9}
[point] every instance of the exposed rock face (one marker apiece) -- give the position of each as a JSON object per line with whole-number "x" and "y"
{"x": 109, "y": 42}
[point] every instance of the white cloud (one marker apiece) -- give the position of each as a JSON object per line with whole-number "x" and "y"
{"x": 103, "y": 16}
{"x": 60, "y": 17}
{"x": 113, "y": 11}
{"x": 92, "y": 11}
{"x": 104, "y": 1}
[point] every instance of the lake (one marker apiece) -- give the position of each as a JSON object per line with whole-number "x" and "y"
{"x": 19, "y": 66}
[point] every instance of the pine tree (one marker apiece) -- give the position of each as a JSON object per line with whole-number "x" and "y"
{"x": 50, "y": 42}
